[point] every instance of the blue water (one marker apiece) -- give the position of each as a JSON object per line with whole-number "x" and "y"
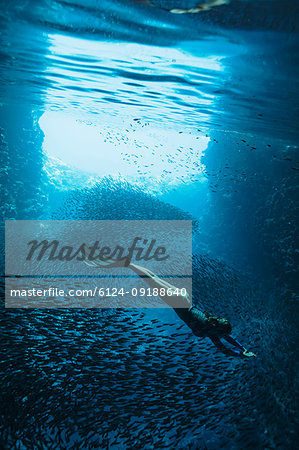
{"x": 124, "y": 110}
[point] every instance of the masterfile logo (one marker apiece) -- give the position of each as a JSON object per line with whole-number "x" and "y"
{"x": 43, "y": 258}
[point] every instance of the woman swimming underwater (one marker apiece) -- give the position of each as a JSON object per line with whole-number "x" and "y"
{"x": 201, "y": 323}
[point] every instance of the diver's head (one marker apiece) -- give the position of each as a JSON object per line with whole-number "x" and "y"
{"x": 218, "y": 326}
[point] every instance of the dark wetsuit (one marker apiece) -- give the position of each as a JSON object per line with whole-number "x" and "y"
{"x": 194, "y": 319}
{"x": 200, "y": 326}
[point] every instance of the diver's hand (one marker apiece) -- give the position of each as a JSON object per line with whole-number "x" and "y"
{"x": 248, "y": 353}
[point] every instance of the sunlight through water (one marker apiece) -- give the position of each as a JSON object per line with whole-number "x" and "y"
{"x": 117, "y": 120}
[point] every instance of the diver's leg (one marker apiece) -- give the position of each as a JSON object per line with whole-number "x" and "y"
{"x": 151, "y": 279}
{"x": 108, "y": 263}
{"x": 155, "y": 282}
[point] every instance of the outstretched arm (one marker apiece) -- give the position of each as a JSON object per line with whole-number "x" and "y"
{"x": 234, "y": 342}
{"x": 227, "y": 351}
{"x": 242, "y": 352}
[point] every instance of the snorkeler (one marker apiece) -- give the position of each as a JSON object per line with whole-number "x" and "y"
{"x": 199, "y": 7}
{"x": 201, "y": 323}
